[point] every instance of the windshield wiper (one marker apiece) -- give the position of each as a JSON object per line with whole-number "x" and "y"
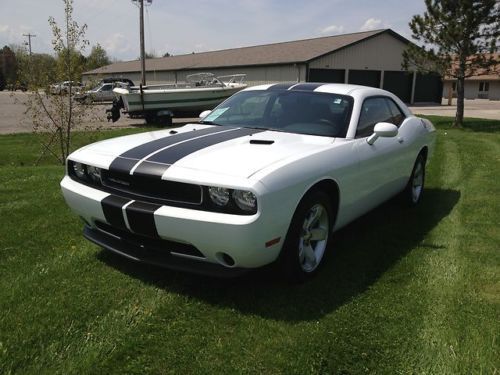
{"x": 208, "y": 123}
{"x": 265, "y": 128}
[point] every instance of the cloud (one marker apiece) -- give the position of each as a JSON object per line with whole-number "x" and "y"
{"x": 13, "y": 34}
{"x": 371, "y": 24}
{"x": 333, "y": 29}
{"x": 117, "y": 44}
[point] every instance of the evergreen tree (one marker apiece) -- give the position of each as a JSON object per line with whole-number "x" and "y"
{"x": 459, "y": 37}
{"x": 98, "y": 57}
{"x": 2, "y": 81}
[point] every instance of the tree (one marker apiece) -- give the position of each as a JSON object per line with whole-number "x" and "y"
{"x": 8, "y": 65}
{"x": 55, "y": 116}
{"x": 98, "y": 57}
{"x": 149, "y": 55}
{"x": 37, "y": 70}
{"x": 459, "y": 37}
{"x": 2, "y": 81}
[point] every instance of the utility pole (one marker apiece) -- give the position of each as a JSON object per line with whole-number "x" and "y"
{"x": 140, "y": 4}
{"x": 143, "y": 54}
{"x": 29, "y": 35}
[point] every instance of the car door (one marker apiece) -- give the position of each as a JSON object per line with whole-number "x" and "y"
{"x": 105, "y": 93}
{"x": 382, "y": 164}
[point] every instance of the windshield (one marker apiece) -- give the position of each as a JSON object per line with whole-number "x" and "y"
{"x": 300, "y": 112}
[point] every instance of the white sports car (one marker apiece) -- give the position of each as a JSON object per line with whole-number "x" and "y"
{"x": 267, "y": 176}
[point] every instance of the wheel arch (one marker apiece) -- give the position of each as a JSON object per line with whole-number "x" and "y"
{"x": 424, "y": 152}
{"x": 331, "y": 188}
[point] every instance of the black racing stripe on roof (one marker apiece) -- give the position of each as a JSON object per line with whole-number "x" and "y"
{"x": 281, "y": 86}
{"x": 112, "y": 209}
{"x": 145, "y": 149}
{"x": 306, "y": 86}
{"x": 157, "y": 164}
{"x": 141, "y": 219}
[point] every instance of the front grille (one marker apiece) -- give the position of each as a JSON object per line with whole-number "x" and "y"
{"x": 149, "y": 244}
{"x": 153, "y": 189}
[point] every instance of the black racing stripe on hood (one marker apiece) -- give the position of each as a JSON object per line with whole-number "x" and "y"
{"x": 307, "y": 86}
{"x": 126, "y": 161}
{"x": 145, "y": 149}
{"x": 122, "y": 165}
{"x": 281, "y": 86}
{"x": 160, "y": 162}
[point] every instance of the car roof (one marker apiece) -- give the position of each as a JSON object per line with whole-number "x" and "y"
{"x": 334, "y": 88}
{"x": 358, "y": 92}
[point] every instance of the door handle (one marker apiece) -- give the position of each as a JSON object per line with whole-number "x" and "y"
{"x": 401, "y": 139}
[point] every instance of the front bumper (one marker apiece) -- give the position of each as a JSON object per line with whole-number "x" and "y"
{"x": 211, "y": 234}
{"x": 142, "y": 250}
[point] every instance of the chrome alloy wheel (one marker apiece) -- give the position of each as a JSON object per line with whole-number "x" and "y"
{"x": 417, "y": 183}
{"x": 313, "y": 238}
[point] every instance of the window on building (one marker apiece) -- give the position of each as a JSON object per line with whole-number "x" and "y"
{"x": 454, "y": 86}
{"x": 484, "y": 86}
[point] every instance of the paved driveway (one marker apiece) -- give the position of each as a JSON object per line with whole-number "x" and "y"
{"x": 478, "y": 108}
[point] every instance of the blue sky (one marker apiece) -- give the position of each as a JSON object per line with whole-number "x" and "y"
{"x": 184, "y": 26}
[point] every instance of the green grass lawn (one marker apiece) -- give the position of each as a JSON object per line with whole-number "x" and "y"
{"x": 404, "y": 291}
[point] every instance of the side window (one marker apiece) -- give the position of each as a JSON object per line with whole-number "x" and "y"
{"x": 374, "y": 110}
{"x": 397, "y": 116}
{"x": 107, "y": 87}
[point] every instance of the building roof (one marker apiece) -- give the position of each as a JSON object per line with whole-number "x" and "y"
{"x": 299, "y": 51}
{"x": 481, "y": 74}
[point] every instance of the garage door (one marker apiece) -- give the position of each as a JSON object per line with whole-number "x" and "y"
{"x": 365, "y": 77}
{"x": 399, "y": 83}
{"x": 327, "y": 75}
{"x": 428, "y": 88}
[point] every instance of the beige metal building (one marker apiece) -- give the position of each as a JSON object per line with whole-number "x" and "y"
{"x": 371, "y": 58}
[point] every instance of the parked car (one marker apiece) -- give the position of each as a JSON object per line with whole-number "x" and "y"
{"x": 63, "y": 87}
{"x": 103, "y": 92}
{"x": 23, "y": 86}
{"x": 267, "y": 176}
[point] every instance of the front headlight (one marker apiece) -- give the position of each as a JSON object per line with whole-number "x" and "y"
{"x": 237, "y": 202}
{"x": 79, "y": 170}
{"x": 245, "y": 200}
{"x": 84, "y": 173}
{"x": 219, "y": 196}
{"x": 94, "y": 173}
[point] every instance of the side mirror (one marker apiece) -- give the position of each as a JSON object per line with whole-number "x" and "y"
{"x": 382, "y": 129}
{"x": 204, "y": 114}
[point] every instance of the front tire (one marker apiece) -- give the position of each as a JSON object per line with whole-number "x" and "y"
{"x": 415, "y": 187}
{"x": 308, "y": 237}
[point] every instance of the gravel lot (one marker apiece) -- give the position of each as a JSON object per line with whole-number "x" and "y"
{"x": 14, "y": 120}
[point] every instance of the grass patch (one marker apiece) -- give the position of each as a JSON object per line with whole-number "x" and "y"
{"x": 404, "y": 291}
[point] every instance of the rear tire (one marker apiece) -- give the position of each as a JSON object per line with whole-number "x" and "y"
{"x": 151, "y": 119}
{"x": 415, "y": 187}
{"x": 308, "y": 237}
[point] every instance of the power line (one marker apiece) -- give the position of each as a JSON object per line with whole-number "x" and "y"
{"x": 29, "y": 35}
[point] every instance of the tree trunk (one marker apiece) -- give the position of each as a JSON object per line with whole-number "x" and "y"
{"x": 459, "y": 117}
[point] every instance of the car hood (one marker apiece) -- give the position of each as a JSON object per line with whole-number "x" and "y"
{"x": 239, "y": 152}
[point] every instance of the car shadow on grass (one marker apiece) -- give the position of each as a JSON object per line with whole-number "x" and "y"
{"x": 361, "y": 253}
